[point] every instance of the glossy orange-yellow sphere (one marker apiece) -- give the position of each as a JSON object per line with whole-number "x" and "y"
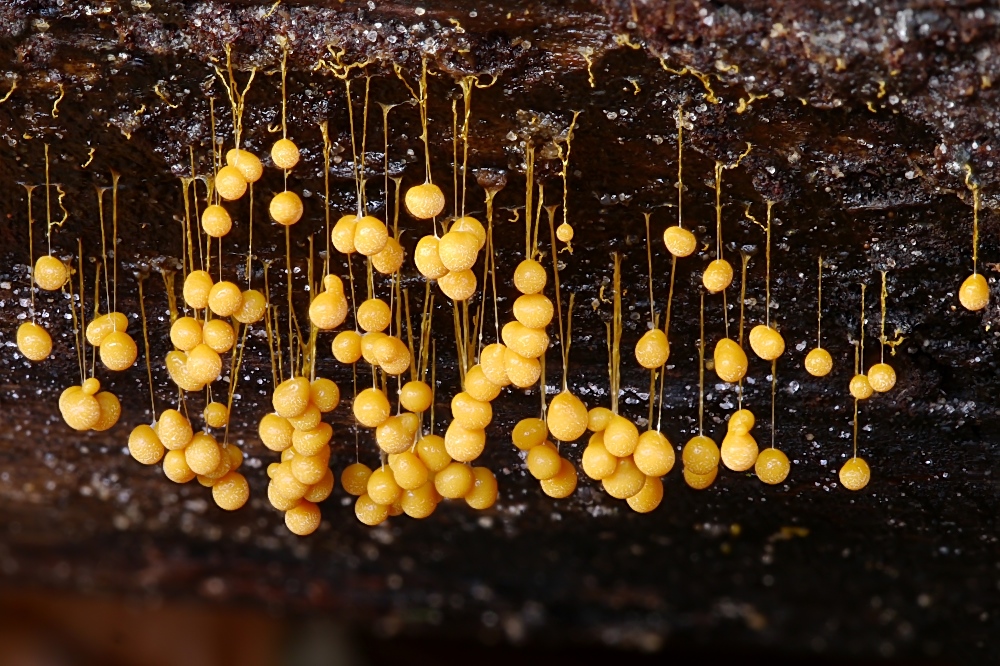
{"x": 700, "y": 454}
{"x": 772, "y": 466}
{"x": 318, "y": 492}
{"x": 231, "y": 491}
{"x": 374, "y": 315}
{"x": 626, "y": 480}
{"x": 530, "y": 277}
{"x": 621, "y": 436}
{"x": 328, "y": 310}
{"x": 392, "y": 354}
{"x": 459, "y": 285}
{"x": 286, "y": 208}
{"x": 174, "y": 430}
{"x": 473, "y": 226}
{"x": 312, "y": 442}
{"x": 203, "y": 453}
{"x": 432, "y": 452}
{"x": 484, "y": 489}
{"x": 855, "y": 474}
{"x": 369, "y": 512}
{"x": 309, "y": 418}
{"x": 464, "y": 444}
{"x": 50, "y": 273}
{"x": 400, "y": 362}
{"x": 284, "y": 154}
{"x": 204, "y": 365}
{"x": 529, "y": 433}
{"x": 533, "y": 310}
{"x": 818, "y": 362}
{"x": 370, "y": 344}
{"x": 458, "y": 250}
{"x": 277, "y": 500}
{"x": 543, "y": 461}
{"x": 522, "y": 372}
{"x": 974, "y": 293}
{"x": 563, "y": 483}
{"x": 424, "y": 201}
{"x": 428, "y": 259}
{"x": 599, "y": 418}
{"x": 718, "y": 275}
{"x": 325, "y": 394}
{"x": 528, "y": 342}
{"x": 286, "y": 484}
{"x": 411, "y": 422}
{"x": 649, "y": 497}
{"x": 354, "y": 479}
{"x": 342, "y": 234}
{"x": 175, "y": 467}
{"x": 235, "y": 455}
{"x": 479, "y": 386}
{"x": 230, "y": 183}
{"x": 216, "y": 415}
{"x": 454, "y": 481}
{"x": 409, "y": 471}
{"x": 700, "y": 481}
{"x": 382, "y": 487}
{"x": 101, "y": 326}
{"x": 393, "y": 435}
{"x": 738, "y": 451}
{"x": 218, "y": 335}
{"x": 654, "y": 455}
{"x": 564, "y": 232}
{"x": 597, "y": 462}
{"x": 491, "y": 359}
{"x": 346, "y": 347}
{"x": 185, "y": 333}
{"x": 111, "y": 410}
{"x": 470, "y": 413}
{"x": 118, "y": 351}
{"x": 33, "y": 341}
{"x": 390, "y": 258}
{"x": 679, "y": 241}
{"x": 225, "y": 467}
{"x": 370, "y": 235}
{"x": 730, "y": 361}
{"x": 420, "y": 502}
{"x": 275, "y": 432}
{"x": 333, "y": 283}
{"x": 652, "y": 350}
{"x": 741, "y": 422}
{"x": 303, "y": 519}
{"x": 415, "y": 396}
{"x": 145, "y": 446}
{"x": 766, "y": 342}
{"x": 882, "y": 377}
{"x": 291, "y": 397}
{"x": 248, "y": 164}
{"x": 197, "y": 286}
{"x": 567, "y": 417}
{"x": 371, "y": 408}
{"x": 252, "y": 308}
{"x": 860, "y": 387}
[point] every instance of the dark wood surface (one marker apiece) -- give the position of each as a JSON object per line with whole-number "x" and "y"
{"x": 871, "y": 114}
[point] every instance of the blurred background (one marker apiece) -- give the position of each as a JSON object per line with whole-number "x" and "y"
{"x": 51, "y": 629}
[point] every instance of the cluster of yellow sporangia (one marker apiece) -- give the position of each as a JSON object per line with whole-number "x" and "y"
{"x": 417, "y": 469}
